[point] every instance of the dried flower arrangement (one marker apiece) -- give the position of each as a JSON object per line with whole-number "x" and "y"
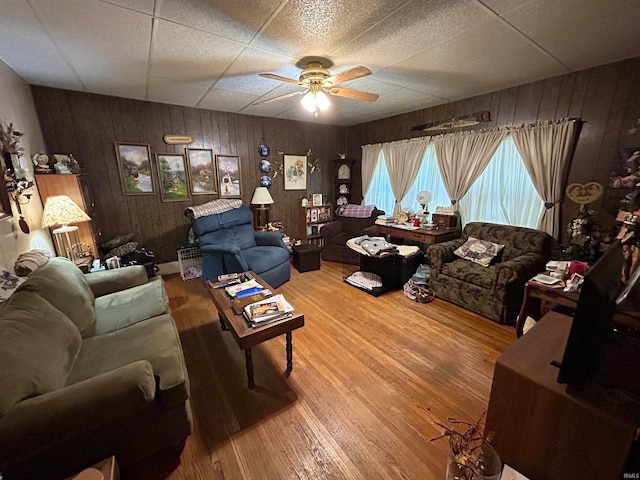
{"x": 466, "y": 446}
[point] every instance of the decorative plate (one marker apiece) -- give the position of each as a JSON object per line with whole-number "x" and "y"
{"x": 265, "y": 181}
{"x": 402, "y": 217}
{"x": 263, "y": 149}
{"x": 265, "y": 166}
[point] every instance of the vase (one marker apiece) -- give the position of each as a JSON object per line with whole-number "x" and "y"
{"x": 488, "y": 466}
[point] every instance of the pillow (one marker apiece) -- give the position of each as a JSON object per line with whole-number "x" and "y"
{"x": 8, "y": 283}
{"x": 116, "y": 242}
{"x": 478, "y": 251}
{"x": 122, "y": 250}
{"x": 30, "y": 261}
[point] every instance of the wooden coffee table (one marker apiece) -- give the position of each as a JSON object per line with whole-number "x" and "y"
{"x": 246, "y": 336}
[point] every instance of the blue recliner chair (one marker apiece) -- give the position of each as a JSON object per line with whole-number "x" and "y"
{"x": 229, "y": 244}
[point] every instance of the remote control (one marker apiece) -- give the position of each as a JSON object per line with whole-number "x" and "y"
{"x": 227, "y": 276}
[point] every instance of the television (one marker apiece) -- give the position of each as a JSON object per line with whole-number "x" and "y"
{"x": 593, "y": 314}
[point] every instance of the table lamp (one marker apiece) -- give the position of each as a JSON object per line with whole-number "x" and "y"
{"x": 261, "y": 201}
{"x": 60, "y": 211}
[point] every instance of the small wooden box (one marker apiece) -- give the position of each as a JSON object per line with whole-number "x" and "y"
{"x": 448, "y": 221}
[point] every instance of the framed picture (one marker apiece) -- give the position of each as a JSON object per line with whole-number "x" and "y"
{"x": 295, "y": 172}
{"x": 228, "y": 171}
{"x": 202, "y": 172}
{"x": 317, "y": 199}
{"x": 174, "y": 179}
{"x": 134, "y": 165}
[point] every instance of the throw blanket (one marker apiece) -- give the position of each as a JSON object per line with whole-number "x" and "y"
{"x": 355, "y": 211}
{"x": 212, "y": 208}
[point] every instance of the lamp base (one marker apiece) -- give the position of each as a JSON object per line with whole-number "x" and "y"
{"x": 65, "y": 238}
{"x": 261, "y": 217}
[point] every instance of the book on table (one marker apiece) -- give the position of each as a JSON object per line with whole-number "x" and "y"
{"x": 250, "y": 285}
{"x": 270, "y": 309}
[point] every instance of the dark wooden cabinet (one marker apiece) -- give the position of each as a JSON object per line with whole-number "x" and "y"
{"x": 343, "y": 181}
{"x": 547, "y": 430}
{"x": 76, "y": 187}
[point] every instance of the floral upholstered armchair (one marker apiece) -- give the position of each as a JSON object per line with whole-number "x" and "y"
{"x": 512, "y": 256}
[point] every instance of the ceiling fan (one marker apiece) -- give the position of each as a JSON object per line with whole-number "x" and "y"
{"x": 317, "y": 82}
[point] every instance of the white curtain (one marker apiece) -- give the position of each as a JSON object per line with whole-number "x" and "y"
{"x": 429, "y": 179}
{"x": 403, "y": 160}
{"x": 546, "y": 149}
{"x": 370, "y": 154}
{"x": 379, "y": 192}
{"x": 462, "y": 157}
{"x": 504, "y": 193}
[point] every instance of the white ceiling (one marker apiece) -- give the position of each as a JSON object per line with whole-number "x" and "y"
{"x": 207, "y": 53}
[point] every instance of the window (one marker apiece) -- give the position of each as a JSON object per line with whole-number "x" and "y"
{"x": 503, "y": 193}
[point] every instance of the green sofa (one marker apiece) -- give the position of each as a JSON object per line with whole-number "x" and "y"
{"x": 495, "y": 291}
{"x": 91, "y": 366}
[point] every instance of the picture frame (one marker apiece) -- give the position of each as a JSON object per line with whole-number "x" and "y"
{"x": 173, "y": 177}
{"x": 202, "y": 171}
{"x": 229, "y": 176}
{"x": 134, "y": 166}
{"x": 295, "y": 172}
{"x": 317, "y": 199}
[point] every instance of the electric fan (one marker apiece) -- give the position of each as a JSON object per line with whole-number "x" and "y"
{"x": 423, "y": 198}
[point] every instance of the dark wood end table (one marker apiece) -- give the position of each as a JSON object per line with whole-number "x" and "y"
{"x": 246, "y": 336}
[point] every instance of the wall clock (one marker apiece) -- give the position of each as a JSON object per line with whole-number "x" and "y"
{"x": 344, "y": 171}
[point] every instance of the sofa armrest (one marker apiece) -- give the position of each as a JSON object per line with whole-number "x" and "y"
{"x": 38, "y": 422}
{"x": 441, "y": 253}
{"x": 331, "y": 229}
{"x": 273, "y": 239}
{"x": 520, "y": 269}
{"x": 234, "y": 253}
{"x": 110, "y": 281}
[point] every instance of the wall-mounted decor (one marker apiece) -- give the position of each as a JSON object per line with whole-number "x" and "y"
{"x": 170, "y": 139}
{"x": 134, "y": 162}
{"x": 228, "y": 170}
{"x": 202, "y": 172}
{"x": 173, "y": 177}
{"x": 295, "y": 172}
{"x": 453, "y": 123}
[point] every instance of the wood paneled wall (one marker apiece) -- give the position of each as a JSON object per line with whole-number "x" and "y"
{"x": 87, "y": 125}
{"x": 606, "y": 98}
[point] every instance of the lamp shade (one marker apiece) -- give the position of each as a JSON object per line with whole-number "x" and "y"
{"x": 261, "y": 196}
{"x": 61, "y": 210}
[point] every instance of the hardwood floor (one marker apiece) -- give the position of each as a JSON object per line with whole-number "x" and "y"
{"x": 370, "y": 377}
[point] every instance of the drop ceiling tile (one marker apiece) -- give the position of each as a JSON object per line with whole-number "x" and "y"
{"x": 142, "y": 6}
{"x": 27, "y": 49}
{"x": 503, "y": 6}
{"x": 116, "y": 56}
{"x": 168, "y": 90}
{"x": 448, "y": 85}
{"x": 185, "y": 54}
{"x": 217, "y": 99}
{"x": 412, "y": 29}
{"x": 312, "y": 27}
{"x": 593, "y": 27}
{"x": 239, "y": 20}
{"x": 242, "y": 75}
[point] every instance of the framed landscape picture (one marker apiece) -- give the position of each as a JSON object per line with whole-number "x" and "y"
{"x": 228, "y": 172}
{"x": 173, "y": 176}
{"x": 202, "y": 172}
{"x": 134, "y": 165}
{"x": 295, "y": 172}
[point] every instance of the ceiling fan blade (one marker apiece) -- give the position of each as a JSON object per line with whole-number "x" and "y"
{"x": 273, "y": 76}
{"x": 355, "y": 94}
{"x": 281, "y": 97}
{"x": 348, "y": 75}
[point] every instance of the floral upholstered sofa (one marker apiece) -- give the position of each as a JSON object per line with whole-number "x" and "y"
{"x": 494, "y": 291}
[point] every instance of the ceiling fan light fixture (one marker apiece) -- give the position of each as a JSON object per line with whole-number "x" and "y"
{"x": 313, "y": 102}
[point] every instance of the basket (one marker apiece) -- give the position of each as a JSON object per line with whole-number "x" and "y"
{"x": 190, "y": 260}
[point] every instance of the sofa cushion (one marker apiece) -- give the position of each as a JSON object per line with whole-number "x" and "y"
{"x": 155, "y": 340}
{"x": 38, "y": 347}
{"x": 482, "y": 252}
{"x": 62, "y": 284}
{"x": 121, "y": 309}
{"x": 469, "y": 272}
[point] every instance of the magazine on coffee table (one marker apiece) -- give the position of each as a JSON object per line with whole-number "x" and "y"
{"x": 270, "y": 309}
